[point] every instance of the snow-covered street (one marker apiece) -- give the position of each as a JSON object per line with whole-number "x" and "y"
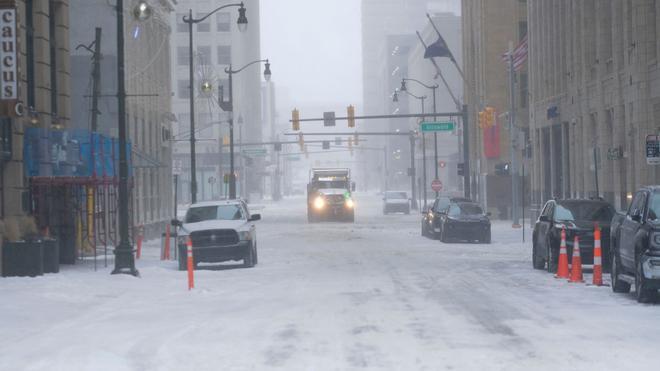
{"x": 329, "y": 296}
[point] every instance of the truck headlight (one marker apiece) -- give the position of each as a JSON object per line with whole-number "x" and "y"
{"x": 244, "y": 235}
{"x": 349, "y": 203}
{"x": 319, "y": 202}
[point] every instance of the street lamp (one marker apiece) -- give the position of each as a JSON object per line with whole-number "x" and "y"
{"x": 242, "y": 27}
{"x": 124, "y": 259}
{"x": 421, "y": 98}
{"x": 435, "y": 134}
{"x": 229, "y": 107}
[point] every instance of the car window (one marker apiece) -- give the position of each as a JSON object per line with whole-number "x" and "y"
{"x": 547, "y": 210}
{"x": 637, "y": 205}
{"x": 584, "y": 211}
{"x": 221, "y": 212}
{"x": 441, "y": 205}
{"x": 454, "y": 210}
{"x": 470, "y": 209}
{"x": 654, "y": 207}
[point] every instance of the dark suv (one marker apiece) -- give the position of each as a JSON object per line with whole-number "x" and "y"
{"x": 579, "y": 218}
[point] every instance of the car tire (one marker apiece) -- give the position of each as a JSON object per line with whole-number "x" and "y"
{"x": 552, "y": 263}
{"x": 256, "y": 254}
{"x": 537, "y": 262}
{"x": 423, "y": 229}
{"x": 486, "y": 239}
{"x": 443, "y": 236}
{"x": 643, "y": 294}
{"x": 618, "y": 285}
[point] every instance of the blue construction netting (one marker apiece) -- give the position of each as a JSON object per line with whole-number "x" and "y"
{"x": 71, "y": 153}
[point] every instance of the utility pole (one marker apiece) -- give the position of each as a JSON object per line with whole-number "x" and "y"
{"x": 515, "y": 218}
{"x": 96, "y": 79}
{"x": 412, "y": 171}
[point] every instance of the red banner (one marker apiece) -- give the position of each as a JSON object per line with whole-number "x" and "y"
{"x": 491, "y": 136}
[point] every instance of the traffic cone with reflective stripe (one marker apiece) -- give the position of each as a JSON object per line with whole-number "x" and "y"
{"x": 562, "y": 267}
{"x": 598, "y": 258}
{"x": 191, "y": 265}
{"x": 576, "y": 265}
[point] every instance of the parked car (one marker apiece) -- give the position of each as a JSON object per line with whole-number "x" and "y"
{"x": 220, "y": 231}
{"x": 461, "y": 220}
{"x": 431, "y": 216}
{"x": 635, "y": 236}
{"x": 396, "y": 202}
{"x": 579, "y": 218}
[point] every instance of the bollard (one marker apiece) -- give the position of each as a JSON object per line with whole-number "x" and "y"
{"x": 138, "y": 253}
{"x": 598, "y": 258}
{"x": 191, "y": 274}
{"x": 166, "y": 254}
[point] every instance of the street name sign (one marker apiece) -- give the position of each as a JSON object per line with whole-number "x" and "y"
{"x": 254, "y": 152}
{"x": 437, "y": 126}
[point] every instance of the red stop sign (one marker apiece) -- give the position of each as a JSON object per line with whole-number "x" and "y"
{"x": 436, "y": 185}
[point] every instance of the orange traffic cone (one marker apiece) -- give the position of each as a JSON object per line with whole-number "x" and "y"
{"x": 191, "y": 264}
{"x": 576, "y": 265}
{"x": 598, "y": 258}
{"x": 562, "y": 268}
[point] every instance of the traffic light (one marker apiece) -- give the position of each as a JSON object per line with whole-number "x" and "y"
{"x": 461, "y": 169}
{"x": 301, "y": 141}
{"x": 482, "y": 119}
{"x": 326, "y": 144}
{"x": 356, "y": 139}
{"x": 502, "y": 168}
{"x": 225, "y": 140}
{"x": 351, "y": 116}
{"x": 490, "y": 117}
{"x": 295, "y": 119}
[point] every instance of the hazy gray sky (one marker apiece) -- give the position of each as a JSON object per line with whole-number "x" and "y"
{"x": 315, "y": 49}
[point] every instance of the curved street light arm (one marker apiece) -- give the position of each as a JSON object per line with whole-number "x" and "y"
{"x": 230, "y": 71}
{"x": 187, "y": 19}
{"x": 414, "y": 96}
{"x": 421, "y": 83}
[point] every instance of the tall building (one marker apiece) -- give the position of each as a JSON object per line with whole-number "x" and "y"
{"x": 40, "y": 83}
{"x": 594, "y": 97}
{"x": 147, "y": 60}
{"x": 218, "y": 44}
{"x": 384, "y": 24}
{"x": 423, "y": 70}
{"x": 488, "y": 28}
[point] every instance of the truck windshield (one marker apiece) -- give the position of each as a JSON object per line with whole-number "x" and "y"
{"x": 584, "y": 211}
{"x": 221, "y": 212}
{"x": 654, "y": 207}
{"x": 328, "y": 184}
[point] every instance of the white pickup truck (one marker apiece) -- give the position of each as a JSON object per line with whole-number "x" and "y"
{"x": 220, "y": 231}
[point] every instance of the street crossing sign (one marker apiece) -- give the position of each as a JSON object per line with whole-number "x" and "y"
{"x": 437, "y": 126}
{"x": 254, "y": 152}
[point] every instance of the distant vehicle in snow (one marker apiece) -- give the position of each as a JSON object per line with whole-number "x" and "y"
{"x": 220, "y": 231}
{"x": 431, "y": 216}
{"x": 396, "y": 202}
{"x": 635, "y": 236}
{"x": 329, "y": 195}
{"x": 578, "y": 217}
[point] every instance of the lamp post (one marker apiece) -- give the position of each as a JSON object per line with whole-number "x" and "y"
{"x": 124, "y": 258}
{"x": 229, "y": 107}
{"x": 242, "y": 26}
{"x": 422, "y": 98}
{"x": 435, "y": 134}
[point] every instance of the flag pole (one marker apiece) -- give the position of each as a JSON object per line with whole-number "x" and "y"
{"x": 515, "y": 219}
{"x": 439, "y": 73}
{"x": 453, "y": 60}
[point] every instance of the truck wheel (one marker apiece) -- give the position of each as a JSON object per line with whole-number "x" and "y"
{"x": 617, "y": 284}
{"x": 537, "y": 262}
{"x": 642, "y": 293}
{"x": 248, "y": 260}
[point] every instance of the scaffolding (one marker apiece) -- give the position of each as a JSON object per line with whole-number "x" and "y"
{"x": 74, "y": 185}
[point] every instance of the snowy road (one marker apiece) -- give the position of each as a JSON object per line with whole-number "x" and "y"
{"x": 374, "y": 295}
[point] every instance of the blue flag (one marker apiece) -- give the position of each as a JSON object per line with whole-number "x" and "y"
{"x": 438, "y": 49}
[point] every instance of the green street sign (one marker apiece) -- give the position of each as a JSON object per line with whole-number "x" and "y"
{"x": 293, "y": 158}
{"x": 254, "y": 151}
{"x": 437, "y": 126}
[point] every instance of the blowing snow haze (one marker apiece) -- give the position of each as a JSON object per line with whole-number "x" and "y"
{"x": 329, "y": 185}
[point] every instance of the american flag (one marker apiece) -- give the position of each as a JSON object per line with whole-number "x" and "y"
{"x": 519, "y": 55}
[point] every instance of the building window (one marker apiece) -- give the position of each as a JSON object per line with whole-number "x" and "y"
{"x": 223, "y": 22}
{"x": 522, "y": 29}
{"x": 183, "y": 89}
{"x": 204, "y": 55}
{"x": 224, "y": 54}
{"x": 182, "y": 56}
{"x": 181, "y": 26}
{"x": 203, "y": 26}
